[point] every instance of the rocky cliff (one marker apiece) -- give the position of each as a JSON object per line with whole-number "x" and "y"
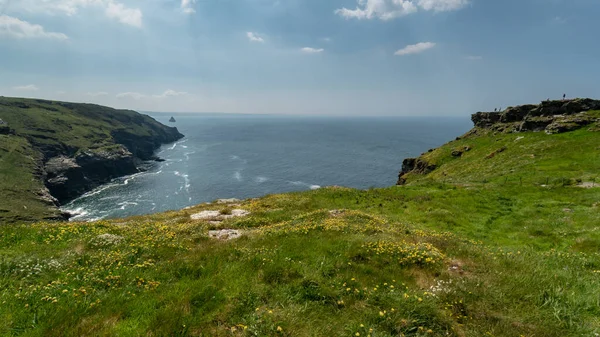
{"x": 77, "y": 146}
{"x": 550, "y": 117}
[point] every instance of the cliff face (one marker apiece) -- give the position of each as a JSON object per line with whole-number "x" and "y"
{"x": 549, "y": 116}
{"x": 80, "y": 146}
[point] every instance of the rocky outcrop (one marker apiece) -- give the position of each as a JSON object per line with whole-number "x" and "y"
{"x": 70, "y": 177}
{"x": 143, "y": 147}
{"x": 75, "y": 147}
{"x": 549, "y": 116}
{"x": 414, "y": 165}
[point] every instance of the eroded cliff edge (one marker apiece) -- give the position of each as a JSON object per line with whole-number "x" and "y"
{"x": 53, "y": 152}
{"x": 550, "y": 117}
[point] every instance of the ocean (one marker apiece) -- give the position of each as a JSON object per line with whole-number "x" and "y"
{"x": 244, "y": 156}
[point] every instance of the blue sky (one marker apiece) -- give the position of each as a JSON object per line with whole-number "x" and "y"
{"x": 327, "y": 57}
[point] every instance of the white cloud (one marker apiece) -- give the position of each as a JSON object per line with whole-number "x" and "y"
{"x": 253, "y": 37}
{"x": 382, "y": 9}
{"x": 112, "y": 9}
{"x": 442, "y": 5}
{"x": 128, "y": 16}
{"x": 171, "y": 93}
{"x": 29, "y": 87}
{"x": 133, "y": 95}
{"x": 188, "y": 6}
{"x": 97, "y": 94}
{"x": 17, "y": 29}
{"x": 310, "y": 50}
{"x": 415, "y": 48}
{"x": 391, "y": 9}
{"x": 474, "y": 58}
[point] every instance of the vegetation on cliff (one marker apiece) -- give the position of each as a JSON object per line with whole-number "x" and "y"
{"x": 69, "y": 148}
{"x": 482, "y": 242}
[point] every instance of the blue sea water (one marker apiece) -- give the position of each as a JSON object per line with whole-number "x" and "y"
{"x": 242, "y": 156}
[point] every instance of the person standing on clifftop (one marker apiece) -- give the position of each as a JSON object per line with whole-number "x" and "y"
{"x": 564, "y": 96}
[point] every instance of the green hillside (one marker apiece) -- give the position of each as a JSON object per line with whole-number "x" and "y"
{"x": 489, "y": 243}
{"x": 34, "y": 131}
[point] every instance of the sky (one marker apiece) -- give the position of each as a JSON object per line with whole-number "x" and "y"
{"x": 312, "y": 57}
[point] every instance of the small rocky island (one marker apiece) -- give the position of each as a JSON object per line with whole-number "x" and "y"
{"x": 55, "y": 151}
{"x": 172, "y": 119}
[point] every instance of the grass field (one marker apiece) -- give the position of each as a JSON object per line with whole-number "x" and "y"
{"x": 503, "y": 245}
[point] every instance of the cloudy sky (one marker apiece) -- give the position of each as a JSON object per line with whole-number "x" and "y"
{"x": 330, "y": 57}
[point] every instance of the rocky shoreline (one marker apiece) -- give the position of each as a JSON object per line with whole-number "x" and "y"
{"x": 78, "y": 147}
{"x": 67, "y": 178}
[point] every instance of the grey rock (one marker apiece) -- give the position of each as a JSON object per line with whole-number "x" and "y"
{"x": 547, "y": 116}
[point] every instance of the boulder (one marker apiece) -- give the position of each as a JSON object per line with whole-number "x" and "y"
{"x": 225, "y": 234}
{"x": 414, "y": 165}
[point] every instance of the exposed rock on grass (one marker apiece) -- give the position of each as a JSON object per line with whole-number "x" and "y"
{"x": 225, "y": 234}
{"x": 218, "y": 215}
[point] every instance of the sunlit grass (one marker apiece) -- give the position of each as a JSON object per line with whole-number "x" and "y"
{"x": 297, "y": 271}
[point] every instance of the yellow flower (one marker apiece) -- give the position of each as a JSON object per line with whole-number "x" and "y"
{"x": 279, "y": 329}
{"x": 381, "y": 313}
{"x": 357, "y": 334}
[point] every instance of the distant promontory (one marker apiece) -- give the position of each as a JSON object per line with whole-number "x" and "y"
{"x": 52, "y": 152}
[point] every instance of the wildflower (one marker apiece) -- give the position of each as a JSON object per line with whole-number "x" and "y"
{"x": 279, "y": 329}
{"x": 381, "y": 313}
{"x": 357, "y": 334}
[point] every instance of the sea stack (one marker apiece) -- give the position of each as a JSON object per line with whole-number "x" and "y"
{"x": 172, "y": 120}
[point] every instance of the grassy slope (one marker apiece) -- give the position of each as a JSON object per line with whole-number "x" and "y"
{"x": 18, "y": 186}
{"x": 444, "y": 256}
{"x": 55, "y": 127}
{"x": 70, "y": 125}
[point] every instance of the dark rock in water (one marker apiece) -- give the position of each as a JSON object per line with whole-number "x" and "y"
{"x": 172, "y": 120}
{"x": 66, "y": 215}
